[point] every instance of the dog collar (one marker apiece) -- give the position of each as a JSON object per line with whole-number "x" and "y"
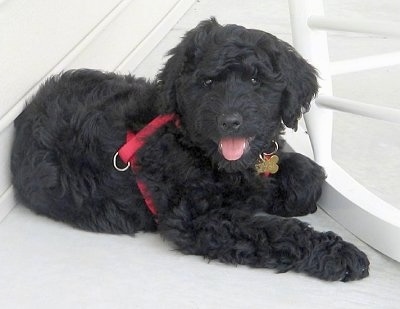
{"x": 135, "y": 141}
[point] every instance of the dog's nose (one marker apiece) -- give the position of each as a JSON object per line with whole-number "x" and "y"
{"x": 230, "y": 122}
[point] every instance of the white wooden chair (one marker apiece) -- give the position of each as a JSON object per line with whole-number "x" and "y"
{"x": 363, "y": 213}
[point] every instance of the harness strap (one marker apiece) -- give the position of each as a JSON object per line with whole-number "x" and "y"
{"x": 135, "y": 141}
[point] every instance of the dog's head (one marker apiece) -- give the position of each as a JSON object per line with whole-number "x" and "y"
{"x": 233, "y": 88}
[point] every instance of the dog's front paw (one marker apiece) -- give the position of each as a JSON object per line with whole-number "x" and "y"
{"x": 338, "y": 260}
{"x": 300, "y": 181}
{"x": 356, "y": 263}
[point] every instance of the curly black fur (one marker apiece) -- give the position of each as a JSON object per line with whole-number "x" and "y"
{"x": 221, "y": 81}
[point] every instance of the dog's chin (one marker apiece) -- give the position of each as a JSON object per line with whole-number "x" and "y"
{"x": 234, "y": 166}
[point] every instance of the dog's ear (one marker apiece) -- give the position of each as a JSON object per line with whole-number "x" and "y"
{"x": 300, "y": 78}
{"x": 184, "y": 58}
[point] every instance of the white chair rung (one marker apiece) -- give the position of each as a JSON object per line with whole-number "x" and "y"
{"x": 351, "y": 25}
{"x": 364, "y": 63}
{"x": 359, "y": 108}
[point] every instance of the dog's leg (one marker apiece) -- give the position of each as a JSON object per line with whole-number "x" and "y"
{"x": 231, "y": 236}
{"x": 299, "y": 182}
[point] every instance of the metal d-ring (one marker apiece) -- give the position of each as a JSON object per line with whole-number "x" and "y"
{"x": 119, "y": 169}
{"x": 276, "y": 149}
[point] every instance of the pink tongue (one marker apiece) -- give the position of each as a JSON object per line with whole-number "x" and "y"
{"x": 232, "y": 148}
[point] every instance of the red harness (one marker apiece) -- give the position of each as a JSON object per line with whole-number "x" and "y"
{"x": 135, "y": 141}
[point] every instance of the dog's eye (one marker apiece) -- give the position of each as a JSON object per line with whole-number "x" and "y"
{"x": 254, "y": 81}
{"x": 207, "y": 82}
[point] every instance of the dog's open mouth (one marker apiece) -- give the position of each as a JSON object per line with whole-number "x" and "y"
{"x": 233, "y": 148}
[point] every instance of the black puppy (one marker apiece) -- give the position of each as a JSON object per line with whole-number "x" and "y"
{"x": 193, "y": 155}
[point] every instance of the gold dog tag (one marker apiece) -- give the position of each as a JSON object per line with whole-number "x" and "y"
{"x": 267, "y": 164}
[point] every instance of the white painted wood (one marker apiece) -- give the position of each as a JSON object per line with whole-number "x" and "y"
{"x": 126, "y": 33}
{"x": 7, "y": 202}
{"x": 152, "y": 39}
{"x": 373, "y": 220}
{"x": 26, "y": 84}
{"x": 36, "y": 35}
{"x": 359, "y": 108}
{"x": 362, "y": 212}
{"x": 313, "y": 45}
{"x": 347, "y": 201}
{"x": 351, "y": 25}
{"x": 364, "y": 63}
{"x": 5, "y": 142}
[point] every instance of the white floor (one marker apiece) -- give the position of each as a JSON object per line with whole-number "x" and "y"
{"x": 44, "y": 264}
